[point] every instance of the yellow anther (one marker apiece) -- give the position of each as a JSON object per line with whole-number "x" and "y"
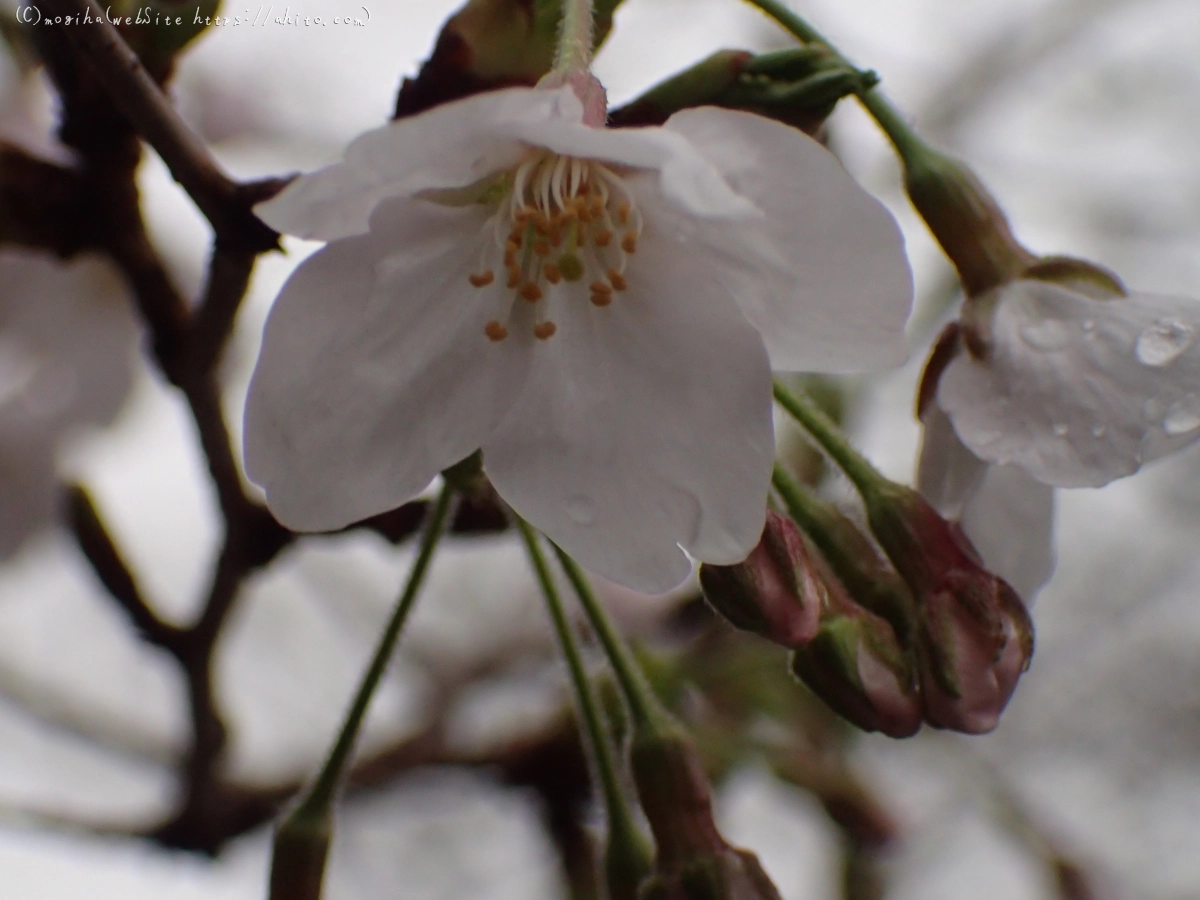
{"x": 514, "y": 276}
{"x": 597, "y": 204}
{"x": 531, "y": 292}
{"x": 599, "y": 298}
{"x": 617, "y": 279}
{"x": 629, "y": 242}
{"x": 600, "y": 287}
{"x": 510, "y": 259}
{"x": 541, "y": 248}
{"x": 571, "y": 266}
{"x": 556, "y": 236}
{"x": 602, "y": 238}
{"x": 544, "y": 330}
{"x": 482, "y": 279}
{"x": 553, "y": 275}
{"x": 541, "y": 224}
{"x": 495, "y": 330}
{"x": 513, "y": 244}
{"x": 623, "y": 212}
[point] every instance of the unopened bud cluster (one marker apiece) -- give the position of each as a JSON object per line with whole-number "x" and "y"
{"x": 950, "y": 653}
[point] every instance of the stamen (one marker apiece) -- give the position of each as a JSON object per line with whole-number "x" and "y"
{"x": 556, "y": 223}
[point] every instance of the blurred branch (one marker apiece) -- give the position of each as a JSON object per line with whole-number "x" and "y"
{"x": 1013, "y": 51}
{"x": 40, "y": 203}
{"x": 134, "y": 92}
{"x": 110, "y": 568}
{"x": 1071, "y": 877}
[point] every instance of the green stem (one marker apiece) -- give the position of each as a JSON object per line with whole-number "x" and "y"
{"x": 574, "y": 51}
{"x": 644, "y": 707}
{"x": 801, "y": 505}
{"x": 829, "y": 436}
{"x": 630, "y": 843}
{"x": 322, "y": 792}
{"x": 906, "y": 141}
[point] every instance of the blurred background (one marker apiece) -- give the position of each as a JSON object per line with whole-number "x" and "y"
{"x": 1083, "y": 116}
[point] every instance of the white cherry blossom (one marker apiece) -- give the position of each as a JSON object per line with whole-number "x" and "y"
{"x": 597, "y": 309}
{"x": 1077, "y": 391}
{"x": 67, "y": 340}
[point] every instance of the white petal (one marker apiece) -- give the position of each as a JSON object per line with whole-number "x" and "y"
{"x": 841, "y": 300}
{"x": 644, "y": 425}
{"x": 451, "y": 145}
{"x": 1078, "y": 391}
{"x": 375, "y": 372}
{"x": 1010, "y": 520}
{"x": 68, "y": 337}
{"x": 1007, "y": 515}
{"x": 948, "y": 474}
{"x": 686, "y": 177}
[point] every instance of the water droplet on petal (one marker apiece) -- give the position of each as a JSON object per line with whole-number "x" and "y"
{"x": 1162, "y": 342}
{"x": 1183, "y": 416}
{"x": 581, "y": 510}
{"x": 1099, "y": 430}
{"x": 1048, "y": 335}
{"x": 1089, "y": 325}
{"x": 1061, "y": 430}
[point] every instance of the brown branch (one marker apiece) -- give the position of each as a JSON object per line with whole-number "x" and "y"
{"x": 107, "y": 94}
{"x": 114, "y": 574}
{"x": 135, "y": 93}
{"x": 40, "y": 203}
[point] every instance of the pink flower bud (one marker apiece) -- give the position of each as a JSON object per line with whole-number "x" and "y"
{"x": 856, "y": 665}
{"x": 974, "y": 636}
{"x": 971, "y": 657}
{"x": 778, "y": 591}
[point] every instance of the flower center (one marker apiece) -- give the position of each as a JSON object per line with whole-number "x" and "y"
{"x": 563, "y": 220}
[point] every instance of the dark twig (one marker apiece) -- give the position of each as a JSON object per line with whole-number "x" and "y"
{"x": 138, "y": 97}
{"x": 108, "y": 99}
{"x": 106, "y": 560}
{"x": 40, "y": 203}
